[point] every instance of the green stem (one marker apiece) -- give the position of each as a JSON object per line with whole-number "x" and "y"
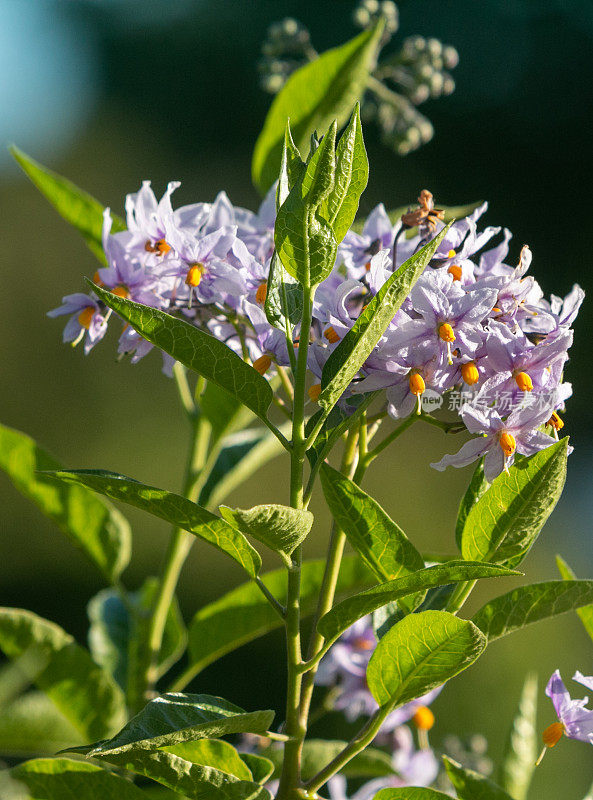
{"x": 329, "y": 583}
{"x": 460, "y": 594}
{"x": 290, "y": 776}
{"x": 178, "y": 548}
{"x": 362, "y": 740}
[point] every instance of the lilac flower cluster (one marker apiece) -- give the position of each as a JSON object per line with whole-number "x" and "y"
{"x": 474, "y": 323}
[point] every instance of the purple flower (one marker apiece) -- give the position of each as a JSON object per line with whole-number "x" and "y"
{"x": 575, "y": 720}
{"x": 148, "y": 220}
{"x": 502, "y": 438}
{"x": 520, "y": 365}
{"x": 88, "y": 319}
{"x": 448, "y": 315}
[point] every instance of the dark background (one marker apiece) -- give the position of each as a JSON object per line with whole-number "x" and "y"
{"x": 110, "y": 93}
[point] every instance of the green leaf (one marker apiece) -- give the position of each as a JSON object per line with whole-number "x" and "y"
{"x": 528, "y": 604}
{"x": 505, "y": 522}
{"x": 196, "y": 349}
{"x": 360, "y": 341}
{"x": 61, "y": 778}
{"x": 477, "y": 487}
{"x": 381, "y": 543}
{"x": 419, "y": 653}
{"x": 317, "y": 754}
{"x": 109, "y": 633}
{"x": 32, "y": 724}
{"x": 243, "y": 614}
{"x": 352, "y": 173}
{"x": 73, "y": 204}
{"x": 213, "y": 753}
{"x": 522, "y": 744}
{"x": 313, "y": 96}
{"x": 261, "y": 768}
{"x": 173, "y": 508}
{"x": 284, "y": 298}
{"x": 292, "y": 166}
{"x": 174, "y": 718}
{"x": 85, "y": 694}
{"x": 243, "y": 454}
{"x": 411, "y": 793}
{"x": 585, "y": 612}
{"x": 304, "y": 239}
{"x": 193, "y": 781}
{"x": 346, "y": 613}
{"x": 92, "y": 524}
{"x": 470, "y": 785}
{"x": 280, "y": 528}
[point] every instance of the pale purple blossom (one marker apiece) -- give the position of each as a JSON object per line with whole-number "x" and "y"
{"x": 574, "y": 715}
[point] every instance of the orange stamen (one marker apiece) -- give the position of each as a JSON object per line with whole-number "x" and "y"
{"x": 446, "y": 332}
{"x": 507, "y": 443}
{"x": 523, "y": 381}
{"x": 314, "y": 392}
{"x": 97, "y": 279}
{"x": 86, "y": 316}
{"x": 331, "y": 335}
{"x": 194, "y": 274}
{"x": 121, "y": 291}
{"x": 417, "y": 384}
{"x": 469, "y": 373}
{"x": 456, "y": 271}
{"x": 553, "y": 733}
{"x": 556, "y": 422}
{"x": 261, "y": 293}
{"x": 423, "y": 718}
{"x": 262, "y": 364}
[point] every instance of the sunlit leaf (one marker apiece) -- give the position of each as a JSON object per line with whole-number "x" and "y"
{"x": 196, "y": 349}
{"x": 173, "y": 508}
{"x": 528, "y": 604}
{"x": 470, "y": 785}
{"x": 61, "y": 778}
{"x": 281, "y": 528}
{"x": 585, "y": 612}
{"x": 505, "y": 522}
{"x": 360, "y": 341}
{"x": 419, "y": 653}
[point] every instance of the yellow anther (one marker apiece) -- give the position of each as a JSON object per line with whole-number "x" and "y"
{"x": 469, "y": 373}
{"x": 97, "y": 279}
{"x": 262, "y": 364}
{"x": 523, "y": 381}
{"x": 194, "y": 274}
{"x": 446, "y": 332}
{"x": 451, "y": 254}
{"x": 423, "y": 719}
{"x": 417, "y": 384}
{"x": 556, "y": 422}
{"x": 331, "y": 335}
{"x": 86, "y": 316}
{"x": 507, "y": 443}
{"x": 314, "y": 392}
{"x": 360, "y": 643}
{"x": 553, "y": 733}
{"x": 161, "y": 247}
{"x": 121, "y": 291}
{"x": 456, "y": 271}
{"x": 496, "y": 310}
{"x": 261, "y": 293}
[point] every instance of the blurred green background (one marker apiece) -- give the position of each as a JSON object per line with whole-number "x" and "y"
{"x": 110, "y": 92}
